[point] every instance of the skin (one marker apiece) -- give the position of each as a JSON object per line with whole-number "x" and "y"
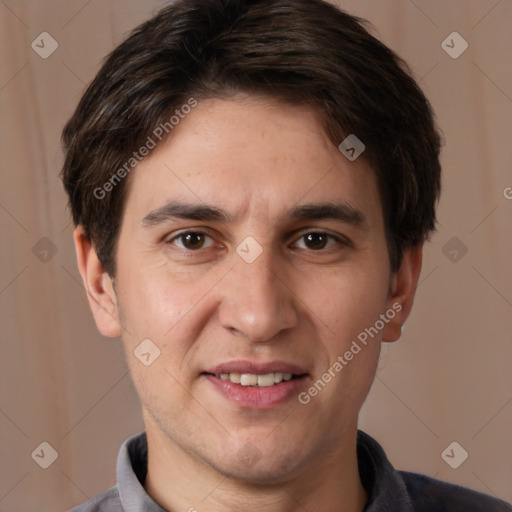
{"x": 300, "y": 301}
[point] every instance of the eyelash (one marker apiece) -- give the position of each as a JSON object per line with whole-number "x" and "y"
{"x": 338, "y": 240}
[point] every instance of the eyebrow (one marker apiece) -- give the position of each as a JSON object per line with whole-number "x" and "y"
{"x": 341, "y": 212}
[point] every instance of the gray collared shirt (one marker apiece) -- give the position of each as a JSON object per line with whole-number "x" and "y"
{"x": 388, "y": 490}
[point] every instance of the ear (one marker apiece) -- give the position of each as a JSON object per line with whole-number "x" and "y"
{"x": 402, "y": 291}
{"x": 98, "y": 285}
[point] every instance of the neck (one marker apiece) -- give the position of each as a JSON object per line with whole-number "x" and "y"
{"x": 180, "y": 481}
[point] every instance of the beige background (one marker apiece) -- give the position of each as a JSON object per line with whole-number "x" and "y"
{"x": 447, "y": 379}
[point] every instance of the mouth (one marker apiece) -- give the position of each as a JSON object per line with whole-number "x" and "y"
{"x": 256, "y": 386}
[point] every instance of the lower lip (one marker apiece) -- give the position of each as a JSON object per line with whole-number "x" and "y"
{"x": 253, "y": 397}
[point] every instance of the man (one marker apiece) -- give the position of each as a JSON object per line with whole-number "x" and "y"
{"x": 252, "y": 183}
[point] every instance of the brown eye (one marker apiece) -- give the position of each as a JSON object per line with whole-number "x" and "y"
{"x": 191, "y": 240}
{"x": 318, "y": 240}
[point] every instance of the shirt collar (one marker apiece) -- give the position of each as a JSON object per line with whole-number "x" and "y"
{"x": 385, "y": 487}
{"x": 132, "y": 467}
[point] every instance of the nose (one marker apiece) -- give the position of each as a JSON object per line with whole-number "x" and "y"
{"x": 257, "y": 301}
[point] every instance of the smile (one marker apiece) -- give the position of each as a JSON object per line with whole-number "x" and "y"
{"x": 257, "y": 391}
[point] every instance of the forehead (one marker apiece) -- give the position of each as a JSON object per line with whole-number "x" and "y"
{"x": 250, "y": 156}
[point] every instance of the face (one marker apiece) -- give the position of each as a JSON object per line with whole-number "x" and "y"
{"x": 250, "y": 249}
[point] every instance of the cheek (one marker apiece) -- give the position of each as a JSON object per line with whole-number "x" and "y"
{"x": 348, "y": 304}
{"x": 348, "y": 300}
{"x": 159, "y": 305}
{"x": 153, "y": 298}
{"x": 167, "y": 306}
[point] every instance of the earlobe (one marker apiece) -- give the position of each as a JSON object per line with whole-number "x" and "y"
{"x": 403, "y": 289}
{"x": 98, "y": 285}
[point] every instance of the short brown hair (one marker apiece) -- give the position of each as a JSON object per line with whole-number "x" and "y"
{"x": 302, "y": 52}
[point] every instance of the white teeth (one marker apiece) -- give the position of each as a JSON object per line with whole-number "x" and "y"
{"x": 266, "y": 380}
{"x": 235, "y": 377}
{"x": 250, "y": 379}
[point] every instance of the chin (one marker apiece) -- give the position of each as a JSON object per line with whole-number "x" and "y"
{"x": 251, "y": 467}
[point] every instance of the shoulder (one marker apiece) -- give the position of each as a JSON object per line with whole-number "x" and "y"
{"x": 430, "y": 495}
{"x": 107, "y": 501}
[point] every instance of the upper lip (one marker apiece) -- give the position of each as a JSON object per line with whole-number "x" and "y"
{"x": 253, "y": 367}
